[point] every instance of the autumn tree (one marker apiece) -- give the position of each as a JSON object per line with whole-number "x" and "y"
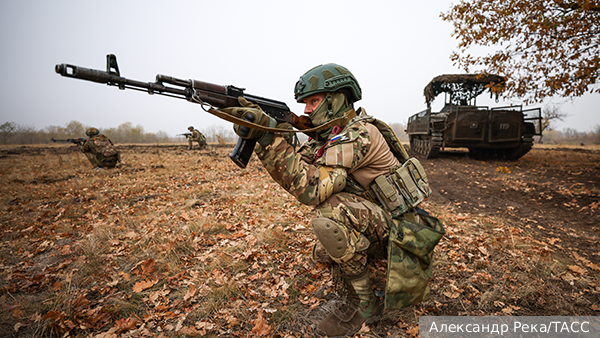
{"x": 550, "y": 115}
{"x": 7, "y": 129}
{"x": 544, "y": 47}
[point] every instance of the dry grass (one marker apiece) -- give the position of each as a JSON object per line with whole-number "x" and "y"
{"x": 179, "y": 243}
{"x": 567, "y": 146}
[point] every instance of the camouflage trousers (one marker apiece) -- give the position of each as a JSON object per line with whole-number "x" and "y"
{"x": 367, "y": 223}
{"x": 201, "y": 143}
{"x": 102, "y": 161}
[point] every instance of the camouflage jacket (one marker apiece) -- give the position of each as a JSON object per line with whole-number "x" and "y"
{"x": 100, "y": 146}
{"x": 197, "y": 135}
{"x": 359, "y": 148}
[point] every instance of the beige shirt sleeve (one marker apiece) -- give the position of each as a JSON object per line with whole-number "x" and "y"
{"x": 378, "y": 160}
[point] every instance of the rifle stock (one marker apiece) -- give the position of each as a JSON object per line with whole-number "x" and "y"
{"x": 216, "y": 95}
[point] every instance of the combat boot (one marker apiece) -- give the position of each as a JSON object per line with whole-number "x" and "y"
{"x": 361, "y": 306}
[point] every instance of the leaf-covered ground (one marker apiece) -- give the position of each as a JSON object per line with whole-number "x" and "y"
{"x": 180, "y": 243}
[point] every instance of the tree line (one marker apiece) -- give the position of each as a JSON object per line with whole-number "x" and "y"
{"x": 13, "y": 133}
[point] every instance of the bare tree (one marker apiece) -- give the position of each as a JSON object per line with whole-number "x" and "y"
{"x": 399, "y": 130}
{"x": 551, "y": 114}
{"x": 7, "y": 130}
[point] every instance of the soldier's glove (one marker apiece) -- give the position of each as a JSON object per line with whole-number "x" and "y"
{"x": 289, "y": 137}
{"x": 252, "y": 112}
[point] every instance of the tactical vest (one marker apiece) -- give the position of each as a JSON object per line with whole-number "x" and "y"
{"x": 406, "y": 185}
{"x": 104, "y": 147}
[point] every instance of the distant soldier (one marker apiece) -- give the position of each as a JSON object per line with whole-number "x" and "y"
{"x": 196, "y": 136}
{"x": 99, "y": 149}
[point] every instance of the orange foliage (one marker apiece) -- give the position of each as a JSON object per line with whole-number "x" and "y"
{"x": 544, "y": 47}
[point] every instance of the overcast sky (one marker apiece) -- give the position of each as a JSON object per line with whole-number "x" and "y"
{"x": 394, "y": 48}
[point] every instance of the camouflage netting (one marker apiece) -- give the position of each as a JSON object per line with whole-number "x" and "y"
{"x": 463, "y": 87}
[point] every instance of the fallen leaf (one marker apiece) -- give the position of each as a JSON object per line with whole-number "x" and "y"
{"x": 483, "y": 250}
{"x": 577, "y": 269}
{"x": 569, "y": 277}
{"x": 143, "y": 285}
{"x": 191, "y": 292}
{"x": 17, "y": 313}
{"x": 413, "y": 331}
{"x": 451, "y": 294}
{"x": 232, "y": 321}
{"x": 364, "y": 328}
{"x": 261, "y": 326}
{"x": 123, "y": 324}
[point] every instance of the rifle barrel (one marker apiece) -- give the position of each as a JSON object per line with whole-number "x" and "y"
{"x": 192, "y": 91}
{"x": 99, "y": 76}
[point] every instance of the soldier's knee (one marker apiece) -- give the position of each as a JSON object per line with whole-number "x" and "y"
{"x": 334, "y": 237}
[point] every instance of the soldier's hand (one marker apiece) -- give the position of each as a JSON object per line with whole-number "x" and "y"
{"x": 289, "y": 137}
{"x": 250, "y": 112}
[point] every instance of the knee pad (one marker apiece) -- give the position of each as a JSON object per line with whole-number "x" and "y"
{"x": 334, "y": 237}
{"x": 320, "y": 255}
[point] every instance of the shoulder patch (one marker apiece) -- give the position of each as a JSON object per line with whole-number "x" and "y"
{"x": 340, "y": 138}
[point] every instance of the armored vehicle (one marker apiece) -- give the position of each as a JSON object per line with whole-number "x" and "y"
{"x": 498, "y": 132}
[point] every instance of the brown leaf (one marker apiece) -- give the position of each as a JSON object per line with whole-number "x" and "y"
{"x": 364, "y": 328}
{"x": 413, "y": 331}
{"x": 233, "y": 321}
{"x": 451, "y": 294}
{"x": 483, "y": 250}
{"x": 261, "y": 326}
{"x": 191, "y": 292}
{"x": 17, "y": 313}
{"x": 143, "y": 285}
{"x": 126, "y": 324}
{"x": 144, "y": 267}
{"x": 577, "y": 269}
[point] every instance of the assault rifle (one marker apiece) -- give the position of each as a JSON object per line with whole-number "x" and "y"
{"x": 196, "y": 92}
{"x": 187, "y": 135}
{"x": 70, "y": 140}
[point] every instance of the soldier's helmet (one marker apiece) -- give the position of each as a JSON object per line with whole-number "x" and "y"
{"x": 191, "y": 128}
{"x": 330, "y": 77}
{"x": 92, "y": 132}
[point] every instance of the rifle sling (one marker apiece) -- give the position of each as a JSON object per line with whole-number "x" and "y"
{"x": 340, "y": 121}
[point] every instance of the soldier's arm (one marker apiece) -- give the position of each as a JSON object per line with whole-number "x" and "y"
{"x": 84, "y": 147}
{"x": 311, "y": 184}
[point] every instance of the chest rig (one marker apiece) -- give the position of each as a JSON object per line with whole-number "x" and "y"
{"x": 406, "y": 185}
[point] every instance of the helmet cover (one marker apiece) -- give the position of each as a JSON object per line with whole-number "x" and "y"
{"x": 92, "y": 132}
{"x": 330, "y": 77}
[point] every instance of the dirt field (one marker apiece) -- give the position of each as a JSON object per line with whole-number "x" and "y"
{"x": 183, "y": 243}
{"x": 554, "y": 192}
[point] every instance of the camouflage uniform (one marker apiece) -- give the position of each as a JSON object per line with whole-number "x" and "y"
{"x": 100, "y": 150}
{"x": 334, "y": 171}
{"x": 362, "y": 152}
{"x": 196, "y": 136}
